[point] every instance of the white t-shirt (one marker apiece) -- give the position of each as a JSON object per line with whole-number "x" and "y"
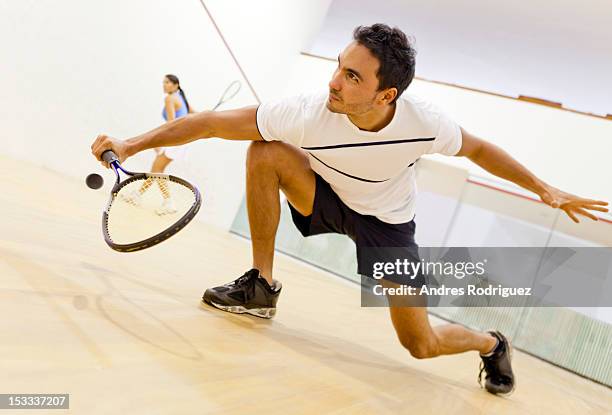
{"x": 372, "y": 172}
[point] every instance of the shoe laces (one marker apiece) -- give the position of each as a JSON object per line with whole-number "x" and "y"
{"x": 247, "y": 280}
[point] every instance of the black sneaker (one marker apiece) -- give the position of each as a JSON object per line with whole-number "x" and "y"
{"x": 248, "y": 294}
{"x": 499, "y": 379}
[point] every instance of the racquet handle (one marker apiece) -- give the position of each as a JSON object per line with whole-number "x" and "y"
{"x": 108, "y": 156}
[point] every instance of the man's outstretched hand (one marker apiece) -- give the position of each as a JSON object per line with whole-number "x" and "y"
{"x": 571, "y": 204}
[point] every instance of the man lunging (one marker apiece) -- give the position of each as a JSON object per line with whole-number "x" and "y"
{"x": 345, "y": 160}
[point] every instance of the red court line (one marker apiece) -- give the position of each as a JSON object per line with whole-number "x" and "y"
{"x": 488, "y": 186}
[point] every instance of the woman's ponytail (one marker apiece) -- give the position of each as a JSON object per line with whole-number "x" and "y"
{"x": 184, "y": 97}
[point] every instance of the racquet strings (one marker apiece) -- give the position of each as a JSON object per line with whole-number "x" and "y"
{"x": 230, "y": 92}
{"x": 146, "y": 207}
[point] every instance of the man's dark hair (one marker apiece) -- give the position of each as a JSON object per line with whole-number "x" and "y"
{"x": 394, "y": 52}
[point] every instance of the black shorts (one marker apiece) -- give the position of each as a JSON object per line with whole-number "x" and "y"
{"x": 372, "y": 236}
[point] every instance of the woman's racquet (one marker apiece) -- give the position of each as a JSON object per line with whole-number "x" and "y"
{"x": 146, "y": 208}
{"x": 230, "y": 92}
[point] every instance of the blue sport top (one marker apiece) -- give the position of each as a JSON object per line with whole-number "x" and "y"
{"x": 181, "y": 112}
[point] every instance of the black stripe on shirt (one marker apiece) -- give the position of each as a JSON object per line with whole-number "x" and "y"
{"x": 355, "y": 177}
{"x": 375, "y": 143}
{"x": 346, "y": 174}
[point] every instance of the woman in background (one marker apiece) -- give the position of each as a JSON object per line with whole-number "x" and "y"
{"x": 175, "y": 106}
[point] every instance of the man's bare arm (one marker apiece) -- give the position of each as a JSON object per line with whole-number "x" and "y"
{"x": 238, "y": 124}
{"x": 496, "y": 161}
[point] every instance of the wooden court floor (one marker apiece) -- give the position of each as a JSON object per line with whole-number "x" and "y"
{"x": 126, "y": 334}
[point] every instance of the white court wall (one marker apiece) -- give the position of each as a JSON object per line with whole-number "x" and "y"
{"x": 72, "y": 69}
{"x": 550, "y": 49}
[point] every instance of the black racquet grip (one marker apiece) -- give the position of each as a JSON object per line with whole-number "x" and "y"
{"x": 108, "y": 156}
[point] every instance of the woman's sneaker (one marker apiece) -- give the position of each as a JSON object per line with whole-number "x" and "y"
{"x": 167, "y": 208}
{"x": 249, "y": 294}
{"x": 499, "y": 379}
